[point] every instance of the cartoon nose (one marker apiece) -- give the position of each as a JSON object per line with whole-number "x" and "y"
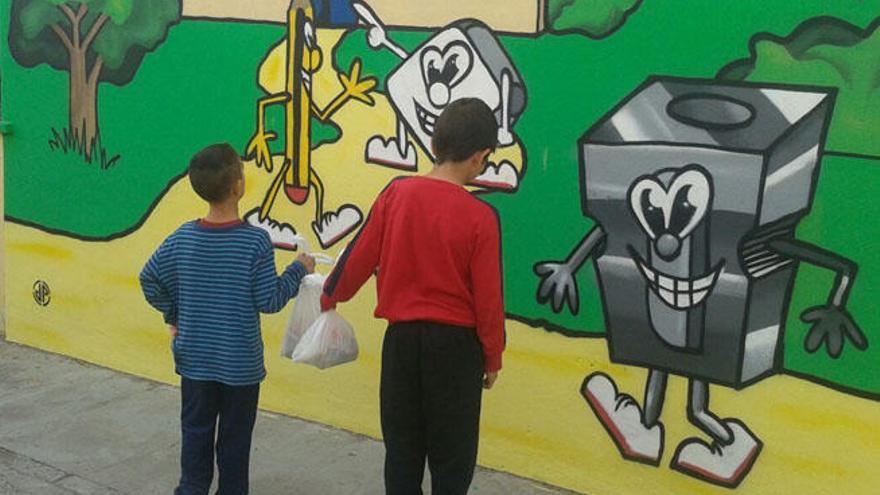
{"x": 668, "y": 246}
{"x": 439, "y": 94}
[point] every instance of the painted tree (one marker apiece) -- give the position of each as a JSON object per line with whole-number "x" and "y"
{"x": 94, "y": 41}
{"x": 825, "y": 51}
{"x": 594, "y": 18}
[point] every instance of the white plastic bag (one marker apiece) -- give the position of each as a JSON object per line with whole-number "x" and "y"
{"x": 328, "y": 342}
{"x": 306, "y": 310}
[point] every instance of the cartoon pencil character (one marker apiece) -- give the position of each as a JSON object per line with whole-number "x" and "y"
{"x": 696, "y": 189}
{"x": 296, "y": 176}
{"x": 465, "y": 59}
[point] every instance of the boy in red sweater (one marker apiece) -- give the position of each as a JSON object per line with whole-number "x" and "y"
{"x": 436, "y": 250}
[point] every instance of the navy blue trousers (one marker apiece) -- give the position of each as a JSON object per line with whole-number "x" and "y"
{"x": 216, "y": 417}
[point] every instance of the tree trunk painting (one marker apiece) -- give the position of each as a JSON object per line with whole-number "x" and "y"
{"x": 83, "y": 106}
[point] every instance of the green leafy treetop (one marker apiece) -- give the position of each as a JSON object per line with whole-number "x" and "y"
{"x": 594, "y": 18}
{"x": 94, "y": 41}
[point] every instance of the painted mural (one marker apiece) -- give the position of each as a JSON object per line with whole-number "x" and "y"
{"x": 686, "y": 192}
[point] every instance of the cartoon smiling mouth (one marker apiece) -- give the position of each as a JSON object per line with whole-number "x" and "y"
{"x": 427, "y": 120}
{"x": 678, "y": 293}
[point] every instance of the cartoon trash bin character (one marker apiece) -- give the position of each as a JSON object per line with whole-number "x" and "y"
{"x": 462, "y": 60}
{"x": 696, "y": 189}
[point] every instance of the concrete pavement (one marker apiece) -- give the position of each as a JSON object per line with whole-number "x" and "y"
{"x": 72, "y": 428}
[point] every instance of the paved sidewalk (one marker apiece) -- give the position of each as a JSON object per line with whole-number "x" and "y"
{"x": 72, "y": 428}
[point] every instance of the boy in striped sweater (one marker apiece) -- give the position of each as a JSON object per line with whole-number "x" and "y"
{"x": 211, "y": 279}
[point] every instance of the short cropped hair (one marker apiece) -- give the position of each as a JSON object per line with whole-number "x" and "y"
{"x": 465, "y": 127}
{"x": 213, "y": 171}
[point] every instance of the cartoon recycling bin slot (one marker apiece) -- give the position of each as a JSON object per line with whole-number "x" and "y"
{"x": 696, "y": 189}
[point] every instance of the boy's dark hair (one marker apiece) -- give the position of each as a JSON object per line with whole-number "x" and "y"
{"x": 213, "y": 171}
{"x": 465, "y": 127}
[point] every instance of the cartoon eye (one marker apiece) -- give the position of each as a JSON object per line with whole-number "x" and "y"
{"x": 309, "y": 34}
{"x": 682, "y": 210}
{"x": 448, "y": 66}
{"x": 691, "y": 192}
{"x": 653, "y": 211}
{"x": 676, "y": 210}
{"x": 646, "y": 200}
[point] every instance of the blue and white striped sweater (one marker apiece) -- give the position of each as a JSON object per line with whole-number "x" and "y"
{"x": 213, "y": 283}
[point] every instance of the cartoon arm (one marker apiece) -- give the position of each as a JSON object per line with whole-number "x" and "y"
{"x": 557, "y": 279}
{"x": 376, "y": 36}
{"x": 831, "y": 322}
{"x": 505, "y": 137}
{"x": 258, "y": 145}
{"x": 352, "y": 87}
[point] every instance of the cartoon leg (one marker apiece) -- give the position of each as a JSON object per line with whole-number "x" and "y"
{"x": 638, "y": 438}
{"x": 283, "y": 235}
{"x": 655, "y": 395}
{"x": 331, "y": 227}
{"x": 505, "y": 136}
{"x": 733, "y": 450}
{"x": 702, "y": 418}
{"x": 396, "y": 153}
{"x": 272, "y": 193}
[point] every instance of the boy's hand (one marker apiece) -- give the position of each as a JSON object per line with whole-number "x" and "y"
{"x": 489, "y": 379}
{"x": 172, "y": 329}
{"x": 307, "y": 261}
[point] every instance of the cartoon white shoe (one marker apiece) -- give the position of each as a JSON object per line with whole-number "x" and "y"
{"x": 336, "y": 225}
{"x": 388, "y": 153}
{"x": 501, "y": 177}
{"x": 622, "y": 418}
{"x": 283, "y": 235}
{"x": 725, "y": 465}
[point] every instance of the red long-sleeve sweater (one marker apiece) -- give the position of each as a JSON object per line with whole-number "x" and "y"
{"x": 437, "y": 249}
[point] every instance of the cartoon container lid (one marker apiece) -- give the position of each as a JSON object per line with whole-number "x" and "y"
{"x": 778, "y": 131}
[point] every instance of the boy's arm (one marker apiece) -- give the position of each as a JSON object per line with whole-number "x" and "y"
{"x": 159, "y": 281}
{"x": 486, "y": 280}
{"x": 272, "y": 292}
{"x": 358, "y": 262}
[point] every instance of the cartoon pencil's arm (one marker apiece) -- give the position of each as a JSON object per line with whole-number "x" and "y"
{"x": 352, "y": 87}
{"x": 258, "y": 145}
{"x": 832, "y": 323}
{"x": 557, "y": 279}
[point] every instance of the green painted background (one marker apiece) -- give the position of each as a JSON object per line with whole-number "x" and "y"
{"x": 199, "y": 87}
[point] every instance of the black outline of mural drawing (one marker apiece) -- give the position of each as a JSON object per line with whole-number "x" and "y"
{"x": 296, "y": 175}
{"x": 69, "y": 45}
{"x": 463, "y": 59}
{"x": 659, "y": 174}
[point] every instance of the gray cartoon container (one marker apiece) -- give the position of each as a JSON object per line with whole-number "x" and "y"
{"x": 691, "y": 181}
